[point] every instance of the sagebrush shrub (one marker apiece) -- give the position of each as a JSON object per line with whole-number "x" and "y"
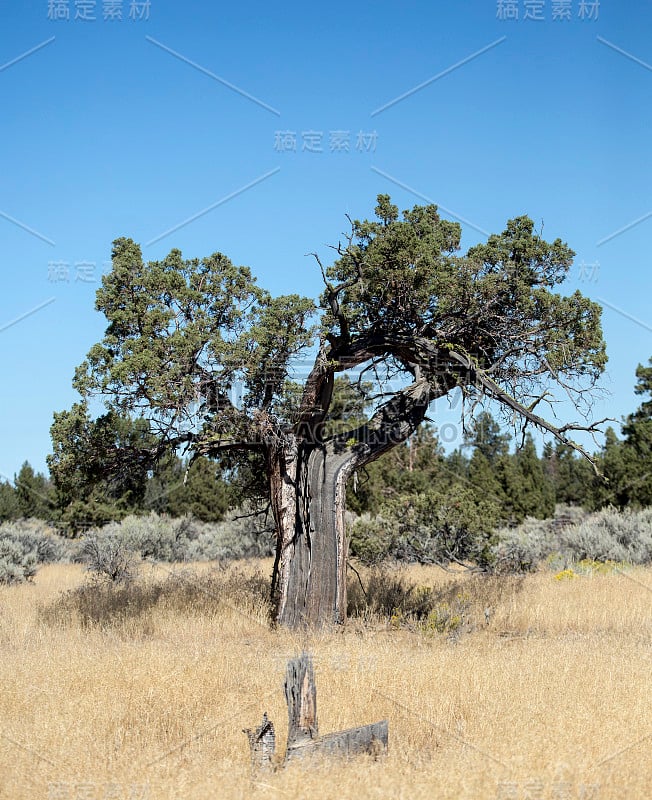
{"x": 522, "y": 548}
{"x": 108, "y": 556}
{"x": 26, "y": 543}
{"x": 17, "y": 560}
{"x": 243, "y": 534}
{"x": 161, "y": 538}
{"x": 371, "y": 538}
{"x": 608, "y": 535}
{"x": 611, "y": 535}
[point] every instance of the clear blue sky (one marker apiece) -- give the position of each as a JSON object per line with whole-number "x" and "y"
{"x": 108, "y": 133}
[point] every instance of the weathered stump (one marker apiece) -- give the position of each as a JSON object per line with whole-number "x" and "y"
{"x": 301, "y": 697}
{"x": 262, "y": 744}
{"x": 303, "y": 728}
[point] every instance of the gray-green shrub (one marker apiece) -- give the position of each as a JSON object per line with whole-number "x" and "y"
{"x": 18, "y": 561}
{"x": 611, "y": 535}
{"x": 243, "y": 534}
{"x": 156, "y": 537}
{"x": 115, "y": 549}
{"x": 607, "y": 535}
{"x": 108, "y": 556}
{"x": 27, "y": 543}
{"x": 522, "y": 548}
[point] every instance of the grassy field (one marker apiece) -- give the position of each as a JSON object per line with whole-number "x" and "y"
{"x": 549, "y": 698}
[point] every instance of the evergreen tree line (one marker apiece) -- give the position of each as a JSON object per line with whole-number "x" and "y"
{"x": 175, "y": 488}
{"x": 483, "y": 480}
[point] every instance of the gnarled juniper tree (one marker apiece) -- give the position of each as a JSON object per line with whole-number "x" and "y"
{"x": 399, "y": 299}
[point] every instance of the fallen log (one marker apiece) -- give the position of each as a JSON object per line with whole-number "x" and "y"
{"x": 304, "y": 740}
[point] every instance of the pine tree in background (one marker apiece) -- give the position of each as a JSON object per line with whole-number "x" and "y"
{"x": 612, "y": 489}
{"x": 484, "y": 480}
{"x": 572, "y": 478}
{"x": 458, "y": 464}
{"x": 490, "y": 445}
{"x": 487, "y": 437}
{"x": 637, "y": 445}
{"x": 415, "y": 466}
{"x": 34, "y": 495}
{"x": 537, "y": 493}
{"x": 199, "y": 490}
{"x": 166, "y": 479}
{"x": 9, "y": 509}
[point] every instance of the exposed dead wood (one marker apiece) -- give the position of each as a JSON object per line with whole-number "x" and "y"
{"x": 262, "y": 744}
{"x": 301, "y": 697}
{"x": 369, "y": 739}
{"x": 304, "y": 740}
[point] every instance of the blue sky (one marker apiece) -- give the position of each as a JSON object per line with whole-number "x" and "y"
{"x": 131, "y": 127}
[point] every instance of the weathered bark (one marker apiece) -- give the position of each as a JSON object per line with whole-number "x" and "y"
{"x": 282, "y": 470}
{"x": 313, "y": 561}
{"x": 310, "y": 570}
{"x": 262, "y": 744}
{"x": 301, "y": 697}
{"x": 303, "y": 739}
{"x": 303, "y": 728}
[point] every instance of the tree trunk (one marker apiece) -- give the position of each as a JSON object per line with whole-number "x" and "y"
{"x": 311, "y": 556}
{"x": 308, "y": 481}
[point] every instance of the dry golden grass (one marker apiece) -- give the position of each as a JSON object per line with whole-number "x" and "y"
{"x": 550, "y": 699}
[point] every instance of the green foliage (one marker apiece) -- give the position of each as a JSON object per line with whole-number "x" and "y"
{"x": 198, "y": 490}
{"x": 412, "y": 467}
{"x": 99, "y": 467}
{"x": 85, "y": 514}
{"x": 637, "y": 447}
{"x": 371, "y": 539}
{"x": 487, "y": 438}
{"x": 182, "y": 337}
{"x": 627, "y": 464}
{"x": 180, "y": 330}
{"x": 615, "y": 489}
{"x": 571, "y": 476}
{"x": 496, "y": 304}
{"x": 9, "y": 508}
{"x": 33, "y": 493}
{"x": 459, "y": 500}
{"x": 485, "y": 480}
{"x": 429, "y": 527}
{"x": 527, "y": 490}
{"x": 406, "y": 266}
{"x": 457, "y": 464}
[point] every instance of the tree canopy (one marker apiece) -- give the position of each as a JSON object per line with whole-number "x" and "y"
{"x": 202, "y": 354}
